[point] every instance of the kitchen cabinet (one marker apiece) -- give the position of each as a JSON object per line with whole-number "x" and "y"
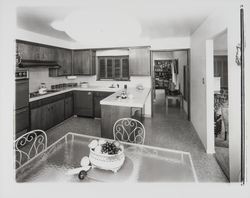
{"x": 36, "y": 118}
{"x": 47, "y": 112}
{"x": 64, "y": 59}
{"x": 33, "y": 51}
{"x": 83, "y": 103}
{"x": 22, "y": 120}
{"x": 68, "y": 106}
{"x": 98, "y": 96}
{"x": 28, "y": 51}
{"x": 84, "y": 62}
{"x": 139, "y": 61}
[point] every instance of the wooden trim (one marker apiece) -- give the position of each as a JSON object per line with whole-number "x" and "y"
{"x": 170, "y": 50}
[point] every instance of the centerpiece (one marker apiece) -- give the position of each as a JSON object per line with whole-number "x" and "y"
{"x": 106, "y": 155}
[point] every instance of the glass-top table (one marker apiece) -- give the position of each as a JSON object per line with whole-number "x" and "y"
{"x": 142, "y": 164}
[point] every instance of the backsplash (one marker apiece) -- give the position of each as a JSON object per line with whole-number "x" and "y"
{"x": 41, "y": 75}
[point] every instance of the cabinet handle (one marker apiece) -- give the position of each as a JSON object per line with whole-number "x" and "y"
{"x": 89, "y": 93}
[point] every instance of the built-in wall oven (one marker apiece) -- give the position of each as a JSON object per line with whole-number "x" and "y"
{"x": 22, "y": 102}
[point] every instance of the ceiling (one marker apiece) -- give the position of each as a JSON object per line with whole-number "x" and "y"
{"x": 158, "y": 19}
{"x": 220, "y": 41}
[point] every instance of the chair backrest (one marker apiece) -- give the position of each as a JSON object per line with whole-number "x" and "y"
{"x": 29, "y": 145}
{"x": 129, "y": 130}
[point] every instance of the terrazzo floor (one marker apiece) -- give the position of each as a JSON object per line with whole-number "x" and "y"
{"x": 168, "y": 128}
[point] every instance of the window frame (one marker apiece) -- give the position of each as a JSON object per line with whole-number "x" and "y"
{"x": 113, "y": 78}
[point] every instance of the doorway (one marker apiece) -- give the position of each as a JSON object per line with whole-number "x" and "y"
{"x": 170, "y": 82}
{"x": 221, "y": 131}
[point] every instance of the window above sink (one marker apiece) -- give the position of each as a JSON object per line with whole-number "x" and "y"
{"x": 113, "y": 68}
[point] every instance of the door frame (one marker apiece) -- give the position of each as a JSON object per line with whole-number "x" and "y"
{"x": 188, "y": 78}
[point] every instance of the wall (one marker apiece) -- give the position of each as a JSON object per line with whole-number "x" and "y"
{"x": 170, "y": 43}
{"x": 39, "y": 38}
{"x": 201, "y": 94}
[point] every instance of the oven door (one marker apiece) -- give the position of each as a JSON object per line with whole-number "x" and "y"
{"x": 22, "y": 93}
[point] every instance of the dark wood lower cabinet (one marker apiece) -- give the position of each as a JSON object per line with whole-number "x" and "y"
{"x": 48, "y": 115}
{"x": 83, "y": 103}
{"x": 68, "y": 107}
{"x": 36, "y": 118}
{"x": 22, "y": 120}
{"x": 48, "y": 112}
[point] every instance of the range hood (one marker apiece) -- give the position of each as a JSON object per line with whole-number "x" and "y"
{"x": 37, "y": 63}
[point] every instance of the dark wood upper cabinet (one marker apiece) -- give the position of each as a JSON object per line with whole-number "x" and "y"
{"x": 28, "y": 51}
{"x": 64, "y": 59}
{"x": 31, "y": 51}
{"x": 84, "y": 62}
{"x": 139, "y": 61}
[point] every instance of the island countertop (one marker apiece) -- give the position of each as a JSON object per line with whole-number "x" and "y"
{"x": 137, "y": 99}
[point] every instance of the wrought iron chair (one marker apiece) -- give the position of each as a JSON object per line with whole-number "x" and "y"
{"x": 129, "y": 130}
{"x": 29, "y": 145}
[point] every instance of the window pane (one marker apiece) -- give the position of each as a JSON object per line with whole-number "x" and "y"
{"x": 125, "y": 68}
{"x": 102, "y": 68}
{"x": 109, "y": 68}
{"x": 117, "y": 68}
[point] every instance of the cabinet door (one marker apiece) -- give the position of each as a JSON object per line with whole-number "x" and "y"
{"x": 68, "y": 107}
{"x": 64, "y": 59}
{"x": 57, "y": 112}
{"x": 22, "y": 119}
{"x": 47, "y": 53}
{"x": 84, "y": 62}
{"x": 28, "y": 51}
{"x": 77, "y": 62}
{"x": 83, "y": 103}
{"x": 46, "y": 117}
{"x": 139, "y": 61}
{"x": 36, "y": 118}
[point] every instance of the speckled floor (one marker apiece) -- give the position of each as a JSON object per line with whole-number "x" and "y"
{"x": 168, "y": 128}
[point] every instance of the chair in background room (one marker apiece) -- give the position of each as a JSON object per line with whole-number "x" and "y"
{"x": 129, "y": 130}
{"x": 29, "y": 145}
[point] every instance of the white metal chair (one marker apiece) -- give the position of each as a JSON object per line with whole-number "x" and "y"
{"x": 129, "y": 130}
{"x": 29, "y": 145}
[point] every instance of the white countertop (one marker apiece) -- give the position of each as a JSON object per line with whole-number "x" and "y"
{"x": 138, "y": 98}
{"x": 89, "y": 88}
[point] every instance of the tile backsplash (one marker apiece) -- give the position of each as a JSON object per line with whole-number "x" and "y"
{"x": 41, "y": 75}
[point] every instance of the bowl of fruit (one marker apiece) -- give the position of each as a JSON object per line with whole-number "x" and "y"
{"x": 106, "y": 154}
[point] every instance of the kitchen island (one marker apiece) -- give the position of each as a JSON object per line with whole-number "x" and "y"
{"x": 114, "y": 108}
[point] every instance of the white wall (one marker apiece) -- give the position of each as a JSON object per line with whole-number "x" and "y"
{"x": 216, "y": 23}
{"x": 170, "y": 43}
{"x": 39, "y": 38}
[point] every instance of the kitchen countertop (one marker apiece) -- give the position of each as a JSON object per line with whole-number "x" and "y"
{"x": 89, "y": 88}
{"x": 138, "y": 98}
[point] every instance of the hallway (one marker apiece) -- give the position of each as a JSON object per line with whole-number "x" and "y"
{"x": 168, "y": 128}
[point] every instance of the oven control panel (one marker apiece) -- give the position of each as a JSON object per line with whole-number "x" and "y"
{"x": 22, "y": 74}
